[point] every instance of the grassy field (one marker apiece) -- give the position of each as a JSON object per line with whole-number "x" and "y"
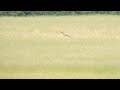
{"x": 33, "y": 47}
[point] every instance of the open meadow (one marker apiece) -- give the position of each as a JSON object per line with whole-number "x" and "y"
{"x": 60, "y": 47}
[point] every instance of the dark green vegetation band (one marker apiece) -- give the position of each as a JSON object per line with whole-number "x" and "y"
{"x": 56, "y": 13}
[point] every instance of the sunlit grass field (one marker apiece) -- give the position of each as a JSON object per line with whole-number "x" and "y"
{"x": 34, "y": 47}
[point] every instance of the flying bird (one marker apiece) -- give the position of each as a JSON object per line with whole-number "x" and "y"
{"x": 65, "y": 34}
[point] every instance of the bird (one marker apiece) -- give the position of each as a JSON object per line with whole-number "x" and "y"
{"x": 65, "y": 34}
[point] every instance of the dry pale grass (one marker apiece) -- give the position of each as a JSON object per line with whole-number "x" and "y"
{"x": 26, "y": 35}
{"x": 36, "y": 42}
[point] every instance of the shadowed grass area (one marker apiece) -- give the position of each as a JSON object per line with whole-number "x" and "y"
{"x": 59, "y": 72}
{"x": 60, "y": 69}
{"x": 33, "y": 47}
